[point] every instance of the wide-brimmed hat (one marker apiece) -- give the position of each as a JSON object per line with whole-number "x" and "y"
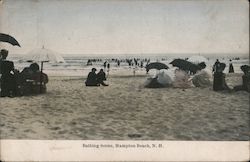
{"x": 222, "y": 66}
{"x": 245, "y": 68}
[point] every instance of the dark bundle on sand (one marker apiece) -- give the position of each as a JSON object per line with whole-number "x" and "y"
{"x": 185, "y": 65}
{"x": 153, "y": 83}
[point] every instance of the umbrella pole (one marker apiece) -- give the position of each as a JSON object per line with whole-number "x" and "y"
{"x": 41, "y": 74}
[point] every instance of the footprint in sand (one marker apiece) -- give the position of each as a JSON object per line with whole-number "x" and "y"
{"x": 72, "y": 123}
{"x": 55, "y": 128}
{"x": 134, "y": 135}
{"x": 45, "y": 105}
{"x": 62, "y": 132}
{"x": 29, "y": 131}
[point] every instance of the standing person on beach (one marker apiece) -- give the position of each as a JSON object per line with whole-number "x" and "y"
{"x": 8, "y": 81}
{"x": 0, "y": 70}
{"x": 92, "y": 78}
{"x": 118, "y": 63}
{"x": 101, "y": 77}
{"x": 105, "y": 64}
{"x": 1, "y": 59}
{"x": 108, "y": 66}
{"x": 231, "y": 68}
{"x": 141, "y": 64}
{"x": 216, "y": 65}
{"x": 219, "y": 83}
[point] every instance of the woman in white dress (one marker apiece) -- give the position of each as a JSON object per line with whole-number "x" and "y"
{"x": 202, "y": 78}
{"x": 182, "y": 79}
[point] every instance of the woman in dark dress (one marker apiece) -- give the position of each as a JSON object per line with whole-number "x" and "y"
{"x": 219, "y": 83}
{"x": 245, "y": 79}
{"x": 231, "y": 68}
{"x": 8, "y": 79}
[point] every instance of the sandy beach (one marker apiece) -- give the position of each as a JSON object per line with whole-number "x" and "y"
{"x": 126, "y": 110}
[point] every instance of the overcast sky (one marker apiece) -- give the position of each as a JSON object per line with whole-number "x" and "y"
{"x": 127, "y": 26}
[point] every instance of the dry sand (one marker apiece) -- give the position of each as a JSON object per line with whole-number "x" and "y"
{"x": 126, "y": 111}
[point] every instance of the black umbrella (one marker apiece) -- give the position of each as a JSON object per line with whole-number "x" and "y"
{"x": 185, "y": 65}
{"x": 156, "y": 65}
{"x": 9, "y": 39}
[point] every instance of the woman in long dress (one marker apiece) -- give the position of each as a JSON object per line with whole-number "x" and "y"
{"x": 219, "y": 83}
{"x": 231, "y": 68}
{"x": 182, "y": 79}
{"x": 202, "y": 78}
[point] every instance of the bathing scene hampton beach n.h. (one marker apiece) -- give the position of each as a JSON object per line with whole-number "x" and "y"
{"x": 124, "y": 70}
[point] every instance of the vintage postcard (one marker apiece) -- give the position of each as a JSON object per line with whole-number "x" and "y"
{"x": 124, "y": 80}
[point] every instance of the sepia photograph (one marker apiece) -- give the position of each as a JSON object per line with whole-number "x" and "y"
{"x": 124, "y": 70}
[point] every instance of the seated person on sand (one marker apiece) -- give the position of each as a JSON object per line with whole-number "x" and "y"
{"x": 219, "y": 83}
{"x": 40, "y": 79}
{"x": 182, "y": 79}
{"x": 101, "y": 77}
{"x": 202, "y": 77}
{"x": 92, "y": 78}
{"x": 32, "y": 81}
{"x": 159, "y": 81}
{"x": 245, "y": 79}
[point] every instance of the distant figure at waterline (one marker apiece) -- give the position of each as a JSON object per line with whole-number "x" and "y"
{"x": 216, "y": 65}
{"x": 231, "y": 68}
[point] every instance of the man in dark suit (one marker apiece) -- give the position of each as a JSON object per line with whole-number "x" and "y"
{"x": 8, "y": 82}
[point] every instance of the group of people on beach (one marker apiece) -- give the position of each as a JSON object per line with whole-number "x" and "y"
{"x": 94, "y": 79}
{"x": 15, "y": 83}
{"x": 201, "y": 79}
{"x": 219, "y": 81}
{"x": 131, "y": 62}
{"x": 31, "y": 80}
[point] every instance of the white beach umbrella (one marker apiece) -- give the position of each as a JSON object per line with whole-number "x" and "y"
{"x": 44, "y": 55}
{"x": 197, "y": 59}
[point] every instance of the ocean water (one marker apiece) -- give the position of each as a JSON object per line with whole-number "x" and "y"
{"x": 76, "y": 65}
